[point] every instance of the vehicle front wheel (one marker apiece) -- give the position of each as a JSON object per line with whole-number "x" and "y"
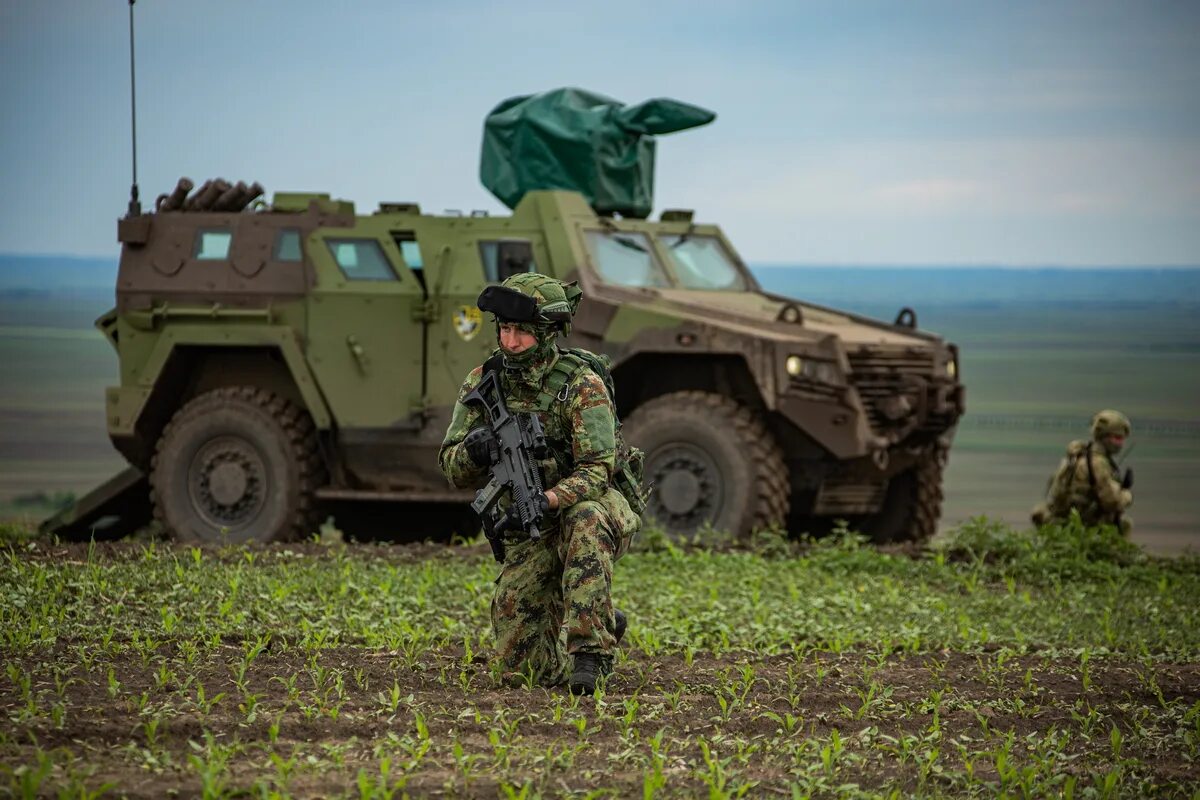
{"x": 236, "y": 464}
{"x": 709, "y": 460}
{"x": 913, "y": 505}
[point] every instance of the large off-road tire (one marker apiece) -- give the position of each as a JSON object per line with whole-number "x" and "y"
{"x": 236, "y": 464}
{"x": 709, "y": 459}
{"x": 913, "y": 505}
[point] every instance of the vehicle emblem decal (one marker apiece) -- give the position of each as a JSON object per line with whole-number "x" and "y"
{"x": 467, "y": 322}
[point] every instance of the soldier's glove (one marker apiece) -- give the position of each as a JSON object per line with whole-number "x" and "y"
{"x": 1127, "y": 481}
{"x": 481, "y": 446}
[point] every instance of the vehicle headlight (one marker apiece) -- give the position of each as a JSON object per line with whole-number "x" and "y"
{"x": 811, "y": 369}
{"x": 952, "y": 369}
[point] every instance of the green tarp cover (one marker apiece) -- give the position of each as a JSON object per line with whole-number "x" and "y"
{"x": 582, "y": 141}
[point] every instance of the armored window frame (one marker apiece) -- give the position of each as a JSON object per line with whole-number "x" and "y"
{"x": 502, "y": 257}
{"x": 220, "y": 238}
{"x": 410, "y": 250}
{"x": 379, "y": 267}
{"x": 282, "y": 249}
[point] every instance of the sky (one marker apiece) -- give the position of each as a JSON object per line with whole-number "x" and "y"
{"x": 933, "y": 133}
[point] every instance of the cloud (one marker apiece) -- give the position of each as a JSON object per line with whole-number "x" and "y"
{"x": 926, "y": 194}
{"x": 1085, "y": 202}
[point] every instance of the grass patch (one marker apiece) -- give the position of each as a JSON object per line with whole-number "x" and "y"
{"x": 1062, "y": 663}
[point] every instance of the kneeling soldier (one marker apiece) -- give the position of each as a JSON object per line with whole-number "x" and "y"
{"x": 564, "y": 577}
{"x": 1089, "y": 480}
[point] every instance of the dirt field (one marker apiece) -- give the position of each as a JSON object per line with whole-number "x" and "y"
{"x": 836, "y": 670}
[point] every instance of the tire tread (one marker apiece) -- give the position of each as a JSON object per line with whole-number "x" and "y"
{"x": 301, "y": 436}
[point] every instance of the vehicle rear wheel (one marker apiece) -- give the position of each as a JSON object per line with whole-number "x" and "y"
{"x": 711, "y": 460}
{"x": 913, "y": 505}
{"x": 236, "y": 464}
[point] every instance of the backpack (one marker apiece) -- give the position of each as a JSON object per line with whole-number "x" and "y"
{"x": 629, "y": 472}
{"x": 1059, "y": 494}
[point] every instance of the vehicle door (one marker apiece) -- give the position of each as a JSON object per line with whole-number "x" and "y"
{"x": 364, "y": 330}
{"x": 460, "y": 336}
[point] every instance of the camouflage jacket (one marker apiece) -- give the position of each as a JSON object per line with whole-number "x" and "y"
{"x": 580, "y": 431}
{"x": 1096, "y": 494}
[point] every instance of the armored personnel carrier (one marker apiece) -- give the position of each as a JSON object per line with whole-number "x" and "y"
{"x": 276, "y": 356}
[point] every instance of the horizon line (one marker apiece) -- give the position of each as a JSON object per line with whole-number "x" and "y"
{"x": 770, "y": 265}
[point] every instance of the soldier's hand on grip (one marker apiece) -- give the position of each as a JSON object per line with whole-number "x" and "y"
{"x": 481, "y": 446}
{"x": 1127, "y": 480}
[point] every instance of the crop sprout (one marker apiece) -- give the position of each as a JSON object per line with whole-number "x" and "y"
{"x": 997, "y": 663}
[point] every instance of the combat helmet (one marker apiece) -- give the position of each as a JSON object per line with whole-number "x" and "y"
{"x": 528, "y": 298}
{"x": 1110, "y": 423}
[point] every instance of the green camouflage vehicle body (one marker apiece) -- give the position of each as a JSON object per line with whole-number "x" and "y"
{"x": 295, "y": 354}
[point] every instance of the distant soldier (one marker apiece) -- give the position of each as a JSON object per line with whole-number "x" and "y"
{"x": 1089, "y": 480}
{"x": 563, "y": 579}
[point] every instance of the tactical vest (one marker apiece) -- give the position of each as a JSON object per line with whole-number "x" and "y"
{"x": 628, "y": 473}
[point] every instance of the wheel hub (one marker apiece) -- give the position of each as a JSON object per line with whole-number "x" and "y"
{"x": 680, "y": 491}
{"x": 226, "y": 481}
{"x": 687, "y": 486}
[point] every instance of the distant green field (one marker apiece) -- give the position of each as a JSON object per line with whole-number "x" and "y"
{"x": 1043, "y": 367}
{"x": 1043, "y": 370}
{"x": 52, "y": 430}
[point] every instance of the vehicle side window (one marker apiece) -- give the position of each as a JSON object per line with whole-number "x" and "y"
{"x": 287, "y": 246}
{"x": 504, "y": 258}
{"x": 412, "y": 254}
{"x": 361, "y": 259}
{"x": 212, "y": 244}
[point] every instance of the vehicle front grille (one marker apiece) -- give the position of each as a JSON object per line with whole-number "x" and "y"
{"x": 884, "y": 376}
{"x": 870, "y": 360}
{"x": 814, "y": 390}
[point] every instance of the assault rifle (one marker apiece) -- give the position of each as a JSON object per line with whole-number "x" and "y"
{"x": 520, "y": 442}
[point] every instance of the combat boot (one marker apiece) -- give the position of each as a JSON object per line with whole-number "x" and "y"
{"x": 620, "y": 623}
{"x": 589, "y": 668}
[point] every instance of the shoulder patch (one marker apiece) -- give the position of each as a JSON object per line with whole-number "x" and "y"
{"x": 598, "y": 428}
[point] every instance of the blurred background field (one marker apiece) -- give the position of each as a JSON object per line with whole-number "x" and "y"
{"x": 1041, "y": 351}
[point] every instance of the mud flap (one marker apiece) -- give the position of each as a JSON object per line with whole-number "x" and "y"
{"x": 118, "y": 507}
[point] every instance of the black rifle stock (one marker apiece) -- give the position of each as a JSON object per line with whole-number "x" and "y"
{"x": 520, "y": 442}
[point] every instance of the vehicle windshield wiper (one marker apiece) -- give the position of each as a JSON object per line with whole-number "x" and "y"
{"x": 630, "y": 243}
{"x": 683, "y": 237}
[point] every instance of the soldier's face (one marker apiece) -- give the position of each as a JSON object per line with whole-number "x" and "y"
{"x": 1114, "y": 442}
{"x": 515, "y": 340}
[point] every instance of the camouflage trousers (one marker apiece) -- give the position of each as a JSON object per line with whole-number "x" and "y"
{"x": 554, "y": 596}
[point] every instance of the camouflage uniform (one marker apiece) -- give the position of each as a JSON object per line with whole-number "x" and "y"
{"x": 1089, "y": 480}
{"x": 565, "y": 578}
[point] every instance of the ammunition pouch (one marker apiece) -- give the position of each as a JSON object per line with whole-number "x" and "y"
{"x": 629, "y": 478}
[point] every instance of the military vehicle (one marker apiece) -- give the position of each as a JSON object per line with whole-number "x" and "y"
{"x": 277, "y": 356}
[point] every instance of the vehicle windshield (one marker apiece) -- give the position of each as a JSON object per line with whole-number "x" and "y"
{"x": 625, "y": 259}
{"x": 701, "y": 262}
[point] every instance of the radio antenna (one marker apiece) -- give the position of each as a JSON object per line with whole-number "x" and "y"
{"x": 135, "y": 206}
